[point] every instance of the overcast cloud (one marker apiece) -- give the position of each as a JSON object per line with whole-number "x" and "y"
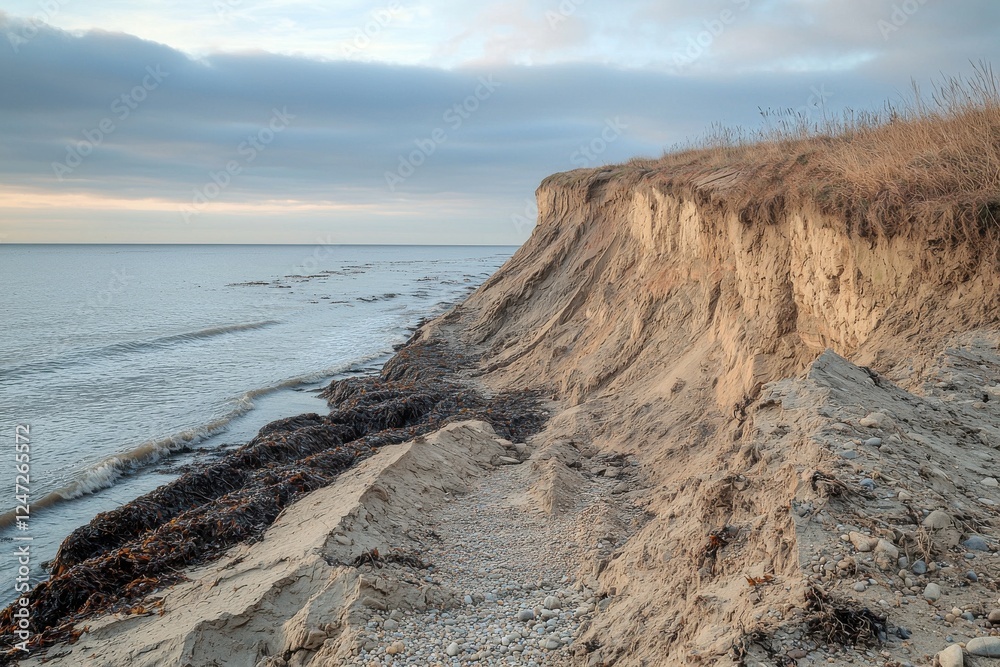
{"x": 410, "y": 122}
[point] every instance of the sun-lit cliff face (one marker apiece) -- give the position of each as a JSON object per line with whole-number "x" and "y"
{"x": 661, "y": 311}
{"x": 629, "y": 272}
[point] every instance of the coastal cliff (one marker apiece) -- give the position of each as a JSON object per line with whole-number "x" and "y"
{"x": 773, "y": 416}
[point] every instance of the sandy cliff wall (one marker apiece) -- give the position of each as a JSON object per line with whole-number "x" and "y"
{"x": 626, "y": 271}
{"x": 660, "y": 314}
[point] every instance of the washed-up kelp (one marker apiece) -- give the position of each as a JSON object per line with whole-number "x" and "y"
{"x": 127, "y": 553}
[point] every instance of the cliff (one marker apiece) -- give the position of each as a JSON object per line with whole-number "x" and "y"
{"x": 773, "y": 390}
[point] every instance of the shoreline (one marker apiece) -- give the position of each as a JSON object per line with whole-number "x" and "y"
{"x": 147, "y": 540}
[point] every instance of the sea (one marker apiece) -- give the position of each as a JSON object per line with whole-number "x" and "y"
{"x": 120, "y": 364}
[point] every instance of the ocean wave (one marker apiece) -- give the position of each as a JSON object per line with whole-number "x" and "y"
{"x": 107, "y": 472}
{"x": 131, "y": 347}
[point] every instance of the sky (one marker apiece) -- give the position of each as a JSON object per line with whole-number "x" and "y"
{"x": 423, "y": 121}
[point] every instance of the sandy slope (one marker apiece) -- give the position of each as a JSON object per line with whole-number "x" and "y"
{"x": 787, "y": 403}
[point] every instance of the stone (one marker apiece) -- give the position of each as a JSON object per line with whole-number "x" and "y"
{"x": 343, "y": 539}
{"x": 860, "y": 587}
{"x": 453, "y": 649}
{"x": 876, "y": 420}
{"x": 551, "y": 643}
{"x": 987, "y": 647}
{"x": 937, "y": 520}
{"x": 863, "y": 542}
{"x": 919, "y": 567}
{"x": 849, "y": 454}
{"x": 612, "y": 472}
{"x": 396, "y": 615}
{"x": 314, "y": 640}
{"x": 507, "y": 461}
{"x": 873, "y": 442}
{"x": 868, "y": 484}
{"x": 390, "y": 625}
{"x": 932, "y": 593}
{"x": 526, "y": 615}
{"x": 552, "y": 602}
{"x": 904, "y": 495}
{"x": 395, "y": 648}
{"x": 976, "y": 543}
{"x": 888, "y": 548}
{"x": 951, "y": 657}
{"x": 990, "y": 482}
{"x": 994, "y": 616}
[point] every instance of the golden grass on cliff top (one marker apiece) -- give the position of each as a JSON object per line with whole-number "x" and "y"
{"x": 935, "y": 160}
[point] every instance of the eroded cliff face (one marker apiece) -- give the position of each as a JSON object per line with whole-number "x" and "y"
{"x": 660, "y": 316}
{"x": 622, "y": 274}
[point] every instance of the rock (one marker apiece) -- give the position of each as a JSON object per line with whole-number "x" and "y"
{"x": 453, "y": 649}
{"x": 919, "y": 567}
{"x": 551, "y": 643}
{"x": 507, "y": 461}
{"x": 868, "y": 484}
{"x": 886, "y": 554}
{"x": 526, "y": 615}
{"x": 876, "y": 420}
{"x": 396, "y": 615}
{"x": 937, "y": 520}
{"x": 395, "y": 648}
{"x": 873, "y": 442}
{"x": 797, "y": 653}
{"x": 342, "y": 539}
{"x": 314, "y": 640}
{"x": 976, "y": 543}
{"x": 990, "y": 482}
{"x": 860, "y": 587}
{"x": 951, "y": 657}
{"x": 904, "y": 495}
{"x": 994, "y": 616}
{"x": 987, "y": 647}
{"x": 552, "y": 602}
{"x": 390, "y": 625}
{"x": 849, "y": 454}
{"x": 888, "y": 548}
{"x": 612, "y": 472}
{"x": 863, "y": 542}
{"x": 932, "y": 593}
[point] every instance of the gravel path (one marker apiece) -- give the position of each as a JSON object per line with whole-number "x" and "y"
{"x": 515, "y": 568}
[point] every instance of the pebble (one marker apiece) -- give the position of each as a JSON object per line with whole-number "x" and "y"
{"x": 937, "y": 520}
{"x": 951, "y": 657}
{"x": 919, "y": 567}
{"x": 994, "y": 616}
{"x": 932, "y": 592}
{"x": 453, "y": 649}
{"x": 873, "y": 442}
{"x": 976, "y": 543}
{"x": 987, "y": 647}
{"x": 990, "y": 482}
{"x": 526, "y": 615}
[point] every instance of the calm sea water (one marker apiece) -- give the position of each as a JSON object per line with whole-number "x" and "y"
{"x": 126, "y": 361}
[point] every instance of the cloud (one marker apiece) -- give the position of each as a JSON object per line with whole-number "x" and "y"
{"x": 160, "y": 126}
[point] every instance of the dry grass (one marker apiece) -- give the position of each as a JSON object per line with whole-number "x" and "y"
{"x": 932, "y": 161}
